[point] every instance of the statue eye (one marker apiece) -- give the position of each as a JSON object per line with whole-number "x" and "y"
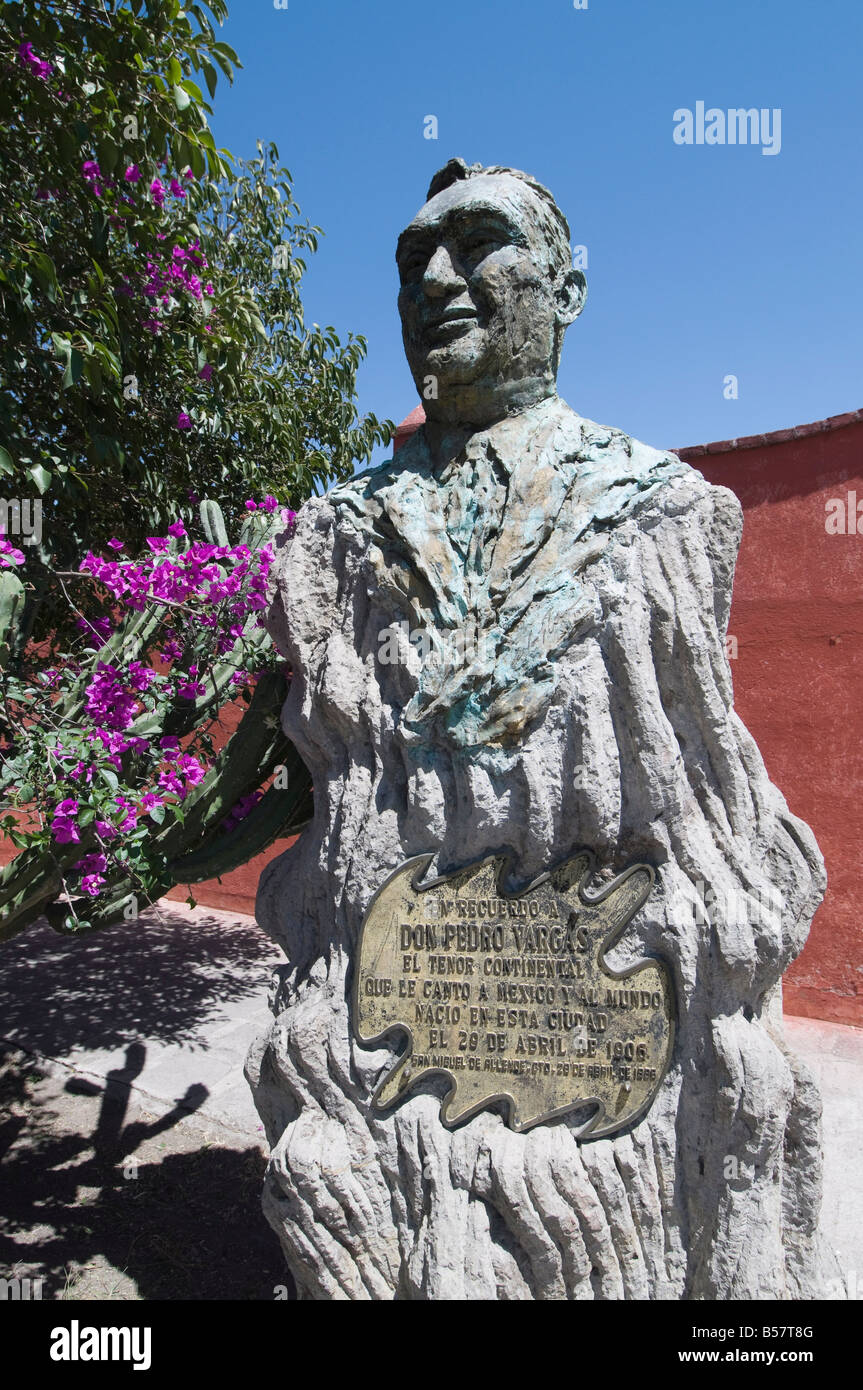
{"x": 412, "y": 266}
{"x": 481, "y": 245}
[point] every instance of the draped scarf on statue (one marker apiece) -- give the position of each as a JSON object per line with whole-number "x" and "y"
{"x": 483, "y": 560}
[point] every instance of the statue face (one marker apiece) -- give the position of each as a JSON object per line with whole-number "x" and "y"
{"x": 481, "y": 306}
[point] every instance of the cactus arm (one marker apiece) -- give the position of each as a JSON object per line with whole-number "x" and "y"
{"x": 30, "y": 883}
{"x": 279, "y": 812}
{"x": 213, "y": 523}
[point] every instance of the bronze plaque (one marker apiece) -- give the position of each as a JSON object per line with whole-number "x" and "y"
{"x": 510, "y": 996}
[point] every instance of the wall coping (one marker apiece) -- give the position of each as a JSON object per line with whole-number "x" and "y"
{"x": 759, "y": 441}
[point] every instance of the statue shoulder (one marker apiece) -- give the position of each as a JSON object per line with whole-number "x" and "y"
{"x": 679, "y": 486}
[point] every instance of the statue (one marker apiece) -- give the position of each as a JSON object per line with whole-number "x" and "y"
{"x": 509, "y": 641}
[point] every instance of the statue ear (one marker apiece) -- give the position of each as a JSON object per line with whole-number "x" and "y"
{"x": 570, "y": 293}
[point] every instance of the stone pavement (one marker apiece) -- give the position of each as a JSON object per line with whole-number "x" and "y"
{"x": 155, "y": 1018}
{"x": 186, "y": 987}
{"x": 834, "y": 1055}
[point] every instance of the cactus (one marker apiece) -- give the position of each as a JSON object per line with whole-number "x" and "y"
{"x": 197, "y": 846}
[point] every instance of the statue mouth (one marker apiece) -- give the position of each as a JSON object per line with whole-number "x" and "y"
{"x": 450, "y": 324}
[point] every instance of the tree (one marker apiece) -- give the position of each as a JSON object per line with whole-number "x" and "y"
{"x": 152, "y": 338}
{"x": 152, "y": 350}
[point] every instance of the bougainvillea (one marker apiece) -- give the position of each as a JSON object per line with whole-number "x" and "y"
{"x": 103, "y": 752}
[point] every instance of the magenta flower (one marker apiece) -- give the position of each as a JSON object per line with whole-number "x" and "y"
{"x": 140, "y": 677}
{"x": 115, "y": 544}
{"x": 169, "y": 780}
{"x": 93, "y": 867}
{"x": 108, "y": 701}
{"x": 188, "y": 690}
{"x": 28, "y": 59}
{"x": 184, "y": 421}
{"x": 99, "y": 627}
{"x": 251, "y": 506}
{"x": 177, "y": 189}
{"x": 170, "y": 743}
{"x": 94, "y": 862}
{"x": 9, "y": 556}
{"x": 105, "y": 830}
{"x": 191, "y": 769}
{"x": 177, "y": 529}
{"x": 63, "y": 826}
{"x": 158, "y": 192}
{"x": 65, "y": 832}
{"x": 132, "y": 174}
{"x": 241, "y": 810}
{"x": 92, "y": 176}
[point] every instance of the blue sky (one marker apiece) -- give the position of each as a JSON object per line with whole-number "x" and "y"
{"x": 703, "y": 261}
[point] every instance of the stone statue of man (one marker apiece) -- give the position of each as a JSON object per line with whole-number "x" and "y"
{"x": 512, "y": 637}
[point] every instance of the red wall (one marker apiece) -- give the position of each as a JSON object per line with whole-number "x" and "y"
{"x": 797, "y": 615}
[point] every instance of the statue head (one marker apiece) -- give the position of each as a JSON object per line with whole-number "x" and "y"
{"x": 487, "y": 291}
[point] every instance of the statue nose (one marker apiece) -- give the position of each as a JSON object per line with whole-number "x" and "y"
{"x": 441, "y": 276}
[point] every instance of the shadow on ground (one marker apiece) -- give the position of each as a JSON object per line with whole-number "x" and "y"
{"x": 158, "y": 977}
{"x": 155, "y": 1210}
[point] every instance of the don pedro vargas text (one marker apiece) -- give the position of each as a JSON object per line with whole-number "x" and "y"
{"x": 515, "y": 985}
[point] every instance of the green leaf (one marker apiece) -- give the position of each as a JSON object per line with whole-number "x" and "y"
{"x": 6, "y": 464}
{"x": 211, "y": 77}
{"x": 74, "y": 368}
{"x": 45, "y": 275}
{"x": 197, "y": 160}
{"x": 41, "y": 477}
{"x": 109, "y": 778}
{"x": 181, "y": 98}
{"x": 94, "y": 375}
{"x": 175, "y": 72}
